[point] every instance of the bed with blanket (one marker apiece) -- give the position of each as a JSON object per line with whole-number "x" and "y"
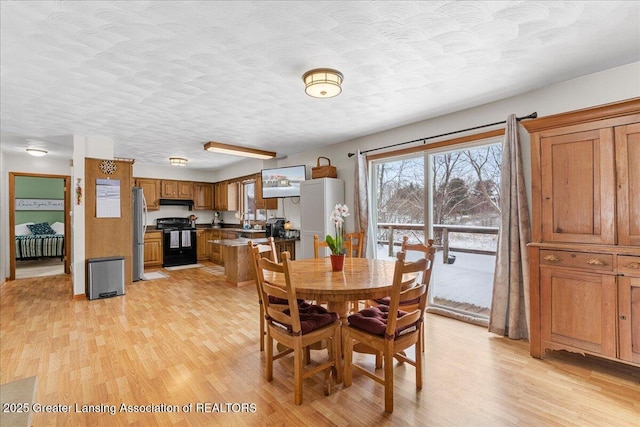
{"x": 35, "y": 241}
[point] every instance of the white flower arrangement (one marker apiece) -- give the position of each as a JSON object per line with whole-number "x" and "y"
{"x": 339, "y": 213}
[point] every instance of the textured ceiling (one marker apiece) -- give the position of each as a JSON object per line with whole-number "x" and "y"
{"x": 161, "y": 78}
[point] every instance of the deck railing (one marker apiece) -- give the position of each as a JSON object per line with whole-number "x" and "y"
{"x": 442, "y": 231}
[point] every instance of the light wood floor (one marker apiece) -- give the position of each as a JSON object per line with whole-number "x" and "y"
{"x": 191, "y": 338}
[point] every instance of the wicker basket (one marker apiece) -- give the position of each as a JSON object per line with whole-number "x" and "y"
{"x": 324, "y": 171}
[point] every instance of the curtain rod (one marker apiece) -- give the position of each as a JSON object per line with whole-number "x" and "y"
{"x": 424, "y": 140}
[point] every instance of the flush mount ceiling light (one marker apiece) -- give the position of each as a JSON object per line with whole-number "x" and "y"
{"x": 234, "y": 150}
{"x": 323, "y": 82}
{"x": 177, "y": 161}
{"x": 38, "y": 152}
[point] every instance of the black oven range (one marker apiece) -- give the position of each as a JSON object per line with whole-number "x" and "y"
{"x": 179, "y": 245}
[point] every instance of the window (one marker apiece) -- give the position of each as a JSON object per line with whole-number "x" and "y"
{"x": 452, "y": 196}
{"x": 249, "y": 211}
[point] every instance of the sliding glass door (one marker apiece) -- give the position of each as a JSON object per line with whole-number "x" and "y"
{"x": 453, "y": 197}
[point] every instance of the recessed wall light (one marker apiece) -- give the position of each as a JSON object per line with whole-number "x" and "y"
{"x": 38, "y": 152}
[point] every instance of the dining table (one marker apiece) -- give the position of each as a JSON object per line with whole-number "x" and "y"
{"x": 360, "y": 279}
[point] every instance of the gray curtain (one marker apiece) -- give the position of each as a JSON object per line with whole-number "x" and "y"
{"x": 361, "y": 192}
{"x": 510, "y": 301}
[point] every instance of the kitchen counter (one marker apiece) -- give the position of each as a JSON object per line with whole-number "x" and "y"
{"x": 237, "y": 267}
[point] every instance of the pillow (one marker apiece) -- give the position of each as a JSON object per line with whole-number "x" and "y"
{"x": 42, "y": 228}
{"x": 22, "y": 229}
{"x": 58, "y": 227}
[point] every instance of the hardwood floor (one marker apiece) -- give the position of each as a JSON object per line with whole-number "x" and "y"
{"x": 192, "y": 339}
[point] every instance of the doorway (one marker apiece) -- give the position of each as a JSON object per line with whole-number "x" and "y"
{"x": 36, "y": 199}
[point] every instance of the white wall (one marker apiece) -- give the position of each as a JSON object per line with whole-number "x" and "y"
{"x": 600, "y": 88}
{"x": 596, "y": 89}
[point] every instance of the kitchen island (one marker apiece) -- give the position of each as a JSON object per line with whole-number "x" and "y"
{"x": 237, "y": 266}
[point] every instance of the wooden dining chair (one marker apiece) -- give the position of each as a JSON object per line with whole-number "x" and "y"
{"x": 386, "y": 330}
{"x": 427, "y": 251}
{"x": 356, "y": 239}
{"x": 297, "y": 328}
{"x": 317, "y": 244}
{"x": 257, "y": 251}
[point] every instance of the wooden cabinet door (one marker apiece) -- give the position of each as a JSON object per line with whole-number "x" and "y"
{"x": 578, "y": 311}
{"x": 203, "y": 195}
{"x": 260, "y": 202}
{"x": 202, "y": 236}
{"x": 184, "y": 189}
{"x": 153, "y": 248}
{"x": 168, "y": 189}
{"x": 151, "y": 189}
{"x": 628, "y": 180}
{"x": 629, "y": 308}
{"x": 216, "y": 250}
{"x": 233, "y": 194}
{"x": 220, "y": 196}
{"x": 578, "y": 187}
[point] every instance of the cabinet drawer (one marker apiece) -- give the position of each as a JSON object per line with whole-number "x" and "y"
{"x": 586, "y": 261}
{"x": 629, "y": 265}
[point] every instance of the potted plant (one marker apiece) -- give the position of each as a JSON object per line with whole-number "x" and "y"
{"x": 336, "y": 244}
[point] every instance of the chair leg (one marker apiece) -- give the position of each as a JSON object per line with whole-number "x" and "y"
{"x": 418, "y": 366}
{"x": 262, "y": 331}
{"x": 337, "y": 355}
{"x": 388, "y": 379}
{"x": 378, "y": 360}
{"x": 268, "y": 372}
{"x": 298, "y": 367}
{"x": 422, "y": 337}
{"x": 347, "y": 344}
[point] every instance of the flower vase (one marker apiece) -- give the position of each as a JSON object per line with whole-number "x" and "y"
{"x": 337, "y": 262}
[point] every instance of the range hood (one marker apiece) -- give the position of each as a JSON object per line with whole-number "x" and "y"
{"x": 177, "y": 202}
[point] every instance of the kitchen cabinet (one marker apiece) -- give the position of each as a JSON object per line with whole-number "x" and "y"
{"x": 286, "y": 246}
{"x": 585, "y": 250}
{"x": 171, "y": 189}
{"x": 203, "y": 195}
{"x": 259, "y": 201}
{"x": 203, "y": 246}
{"x": 151, "y": 189}
{"x": 216, "y": 252}
{"x": 153, "y": 248}
{"x": 226, "y": 196}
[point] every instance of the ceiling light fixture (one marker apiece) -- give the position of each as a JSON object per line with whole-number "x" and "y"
{"x": 234, "y": 150}
{"x": 38, "y": 152}
{"x": 323, "y": 82}
{"x": 177, "y": 161}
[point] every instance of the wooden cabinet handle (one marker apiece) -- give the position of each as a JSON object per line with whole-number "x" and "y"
{"x": 596, "y": 261}
{"x": 633, "y": 264}
{"x": 552, "y": 258}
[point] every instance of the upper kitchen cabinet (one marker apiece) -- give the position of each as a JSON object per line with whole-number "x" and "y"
{"x": 226, "y": 196}
{"x": 151, "y": 189}
{"x": 260, "y": 202}
{"x": 176, "y": 189}
{"x": 203, "y": 195}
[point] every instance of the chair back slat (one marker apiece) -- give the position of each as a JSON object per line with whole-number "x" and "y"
{"x": 402, "y": 268}
{"x": 356, "y": 241}
{"x": 268, "y": 289}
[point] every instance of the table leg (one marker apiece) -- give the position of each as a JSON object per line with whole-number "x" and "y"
{"x": 339, "y": 307}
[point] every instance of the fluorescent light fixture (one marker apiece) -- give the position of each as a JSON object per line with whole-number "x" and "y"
{"x": 177, "y": 161}
{"x": 38, "y": 152}
{"x": 234, "y": 150}
{"x": 323, "y": 82}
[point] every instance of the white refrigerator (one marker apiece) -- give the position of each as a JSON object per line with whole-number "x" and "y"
{"x": 318, "y": 197}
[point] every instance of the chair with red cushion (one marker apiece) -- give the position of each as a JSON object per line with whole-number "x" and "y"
{"x": 297, "y": 328}
{"x": 429, "y": 252}
{"x": 388, "y": 330}
{"x": 265, "y": 250}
